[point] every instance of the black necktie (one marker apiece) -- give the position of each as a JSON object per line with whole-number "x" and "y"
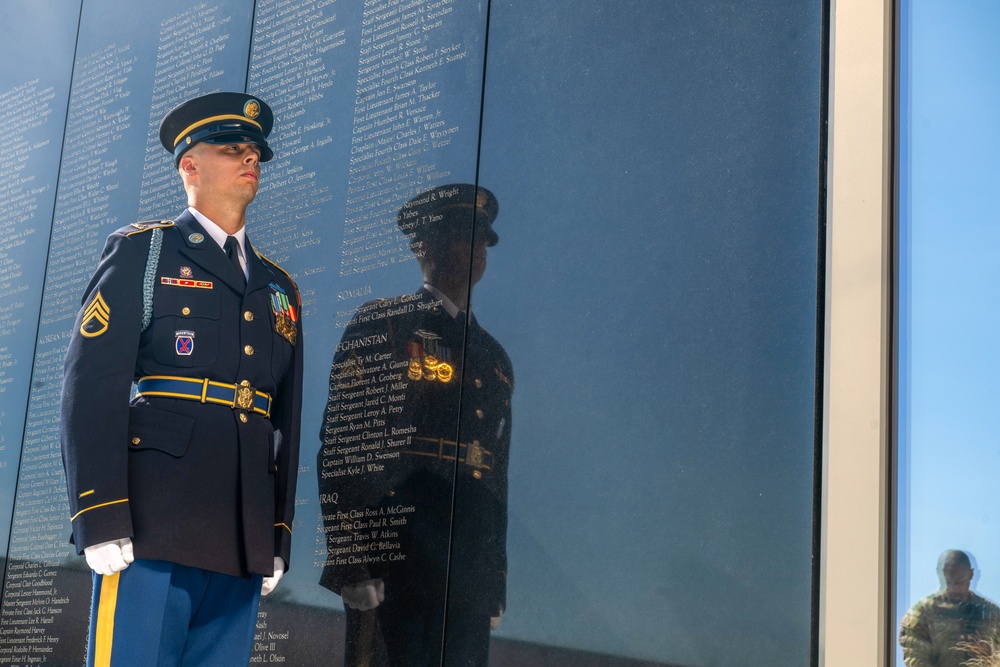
{"x": 234, "y": 256}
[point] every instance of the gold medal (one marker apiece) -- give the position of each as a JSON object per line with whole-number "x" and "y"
{"x": 285, "y": 327}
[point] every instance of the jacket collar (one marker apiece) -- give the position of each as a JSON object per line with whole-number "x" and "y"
{"x": 206, "y": 253}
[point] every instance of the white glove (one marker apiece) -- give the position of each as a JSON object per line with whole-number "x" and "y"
{"x": 109, "y": 557}
{"x": 364, "y": 595}
{"x": 495, "y": 620}
{"x": 270, "y": 582}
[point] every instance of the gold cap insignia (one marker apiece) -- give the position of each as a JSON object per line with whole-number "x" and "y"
{"x": 251, "y": 109}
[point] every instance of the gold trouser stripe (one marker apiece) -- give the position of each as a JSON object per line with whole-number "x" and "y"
{"x": 105, "y": 632}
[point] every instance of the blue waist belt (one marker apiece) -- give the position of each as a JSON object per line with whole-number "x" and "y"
{"x": 237, "y": 396}
{"x": 472, "y": 454}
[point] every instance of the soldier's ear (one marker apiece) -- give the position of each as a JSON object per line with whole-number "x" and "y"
{"x": 187, "y": 164}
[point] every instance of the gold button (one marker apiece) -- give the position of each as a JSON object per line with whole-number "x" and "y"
{"x": 479, "y": 413}
{"x": 248, "y": 316}
{"x": 136, "y": 441}
{"x": 185, "y": 311}
{"x": 475, "y": 443}
{"x": 477, "y": 474}
{"x": 479, "y": 383}
{"x": 243, "y": 417}
{"x": 248, "y": 349}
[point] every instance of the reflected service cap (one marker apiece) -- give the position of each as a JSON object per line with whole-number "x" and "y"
{"x": 446, "y": 212}
{"x": 218, "y": 118}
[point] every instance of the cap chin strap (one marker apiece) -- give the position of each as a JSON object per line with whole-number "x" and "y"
{"x": 226, "y": 133}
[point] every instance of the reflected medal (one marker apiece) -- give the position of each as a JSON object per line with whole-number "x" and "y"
{"x": 415, "y": 351}
{"x": 429, "y": 360}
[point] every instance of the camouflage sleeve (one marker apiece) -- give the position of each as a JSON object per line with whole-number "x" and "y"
{"x": 915, "y": 638}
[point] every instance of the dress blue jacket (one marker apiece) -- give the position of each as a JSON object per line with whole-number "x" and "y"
{"x": 203, "y": 484}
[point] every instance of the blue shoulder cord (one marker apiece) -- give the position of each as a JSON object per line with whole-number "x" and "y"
{"x": 149, "y": 277}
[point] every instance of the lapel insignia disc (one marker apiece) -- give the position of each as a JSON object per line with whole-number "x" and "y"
{"x": 186, "y": 272}
{"x": 95, "y": 317}
{"x": 196, "y": 238}
{"x": 284, "y": 314}
{"x": 184, "y": 343}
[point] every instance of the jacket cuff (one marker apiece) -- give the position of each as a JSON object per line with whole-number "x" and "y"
{"x": 102, "y": 523}
{"x": 283, "y": 543}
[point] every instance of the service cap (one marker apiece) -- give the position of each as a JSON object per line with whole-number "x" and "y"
{"x": 447, "y": 211}
{"x": 218, "y": 118}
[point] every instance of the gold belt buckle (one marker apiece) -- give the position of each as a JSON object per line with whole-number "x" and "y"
{"x": 474, "y": 455}
{"x": 244, "y": 396}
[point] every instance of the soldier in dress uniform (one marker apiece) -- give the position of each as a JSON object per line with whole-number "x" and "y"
{"x": 948, "y": 628}
{"x": 440, "y": 576}
{"x": 182, "y": 498}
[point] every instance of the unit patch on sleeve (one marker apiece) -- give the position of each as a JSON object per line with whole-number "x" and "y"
{"x": 96, "y": 317}
{"x": 284, "y": 314}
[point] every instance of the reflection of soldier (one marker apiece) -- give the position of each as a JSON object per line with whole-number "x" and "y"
{"x": 938, "y": 630}
{"x": 182, "y": 500}
{"x": 442, "y": 386}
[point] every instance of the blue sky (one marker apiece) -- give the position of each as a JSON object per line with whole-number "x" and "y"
{"x": 951, "y": 178}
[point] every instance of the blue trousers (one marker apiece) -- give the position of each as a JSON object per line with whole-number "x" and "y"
{"x": 160, "y": 614}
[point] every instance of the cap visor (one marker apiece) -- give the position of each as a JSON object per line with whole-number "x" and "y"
{"x": 242, "y": 138}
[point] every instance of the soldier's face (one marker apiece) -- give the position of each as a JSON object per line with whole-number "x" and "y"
{"x": 478, "y": 258}
{"x": 226, "y": 169}
{"x": 452, "y": 259}
{"x": 958, "y": 577}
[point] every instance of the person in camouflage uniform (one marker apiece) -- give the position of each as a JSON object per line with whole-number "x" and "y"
{"x": 942, "y": 629}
